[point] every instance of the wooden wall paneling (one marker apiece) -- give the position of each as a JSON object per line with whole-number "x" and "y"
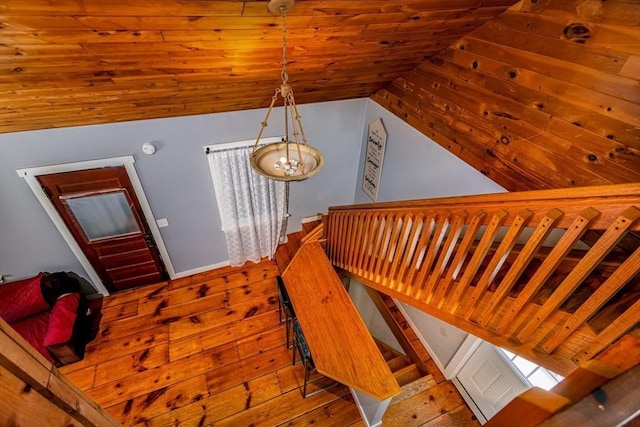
{"x": 497, "y": 63}
{"x": 517, "y": 129}
{"x": 19, "y": 399}
{"x": 607, "y": 151}
{"x": 30, "y": 381}
{"x": 120, "y": 8}
{"x": 606, "y": 60}
{"x": 442, "y": 134}
{"x": 569, "y": 114}
{"x": 622, "y": 11}
{"x": 475, "y": 140}
{"x": 125, "y": 46}
{"x": 437, "y": 122}
{"x": 619, "y": 36}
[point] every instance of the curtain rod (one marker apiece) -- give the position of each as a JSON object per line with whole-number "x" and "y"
{"x": 239, "y": 144}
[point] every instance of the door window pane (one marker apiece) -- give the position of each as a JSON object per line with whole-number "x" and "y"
{"x": 103, "y": 215}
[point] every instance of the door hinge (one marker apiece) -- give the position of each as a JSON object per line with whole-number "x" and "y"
{"x": 46, "y": 192}
{"x": 149, "y": 241}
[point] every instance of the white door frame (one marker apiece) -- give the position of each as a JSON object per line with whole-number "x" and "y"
{"x": 30, "y": 176}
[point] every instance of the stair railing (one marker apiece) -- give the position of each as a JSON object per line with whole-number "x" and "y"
{"x": 510, "y": 268}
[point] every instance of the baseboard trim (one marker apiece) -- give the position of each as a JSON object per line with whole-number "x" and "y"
{"x": 311, "y": 218}
{"x": 186, "y": 273}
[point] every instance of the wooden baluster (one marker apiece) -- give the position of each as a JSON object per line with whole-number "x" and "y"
{"x": 366, "y": 238}
{"x": 375, "y": 245}
{"x": 480, "y": 252}
{"x": 390, "y": 223}
{"x": 461, "y": 254}
{"x": 612, "y": 332}
{"x": 346, "y": 234}
{"x": 497, "y": 260}
{"x": 420, "y": 251}
{"x": 330, "y": 228}
{"x": 544, "y": 227}
{"x": 445, "y": 254}
{"x": 351, "y": 239}
{"x": 341, "y": 221}
{"x": 390, "y": 280}
{"x": 393, "y": 247}
{"x": 557, "y": 254}
{"x": 357, "y": 241}
{"x": 412, "y": 245}
{"x": 585, "y": 266}
{"x": 429, "y": 258}
{"x": 340, "y": 224}
{"x": 625, "y": 272}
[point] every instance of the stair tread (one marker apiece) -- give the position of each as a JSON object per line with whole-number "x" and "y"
{"x": 398, "y": 363}
{"x": 408, "y": 374}
{"x": 411, "y": 389}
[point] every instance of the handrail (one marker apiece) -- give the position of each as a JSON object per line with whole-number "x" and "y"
{"x": 509, "y": 267}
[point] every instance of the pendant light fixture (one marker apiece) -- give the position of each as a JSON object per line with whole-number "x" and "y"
{"x": 292, "y": 159}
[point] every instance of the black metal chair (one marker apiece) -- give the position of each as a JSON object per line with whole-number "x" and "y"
{"x": 300, "y": 344}
{"x": 285, "y": 308}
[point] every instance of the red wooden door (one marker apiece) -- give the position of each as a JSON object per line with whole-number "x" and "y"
{"x": 104, "y": 216}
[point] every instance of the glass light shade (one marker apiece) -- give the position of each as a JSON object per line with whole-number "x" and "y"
{"x": 270, "y": 161}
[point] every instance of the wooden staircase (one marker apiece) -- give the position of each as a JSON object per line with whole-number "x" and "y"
{"x": 514, "y": 269}
{"x": 426, "y": 397}
{"x": 423, "y": 399}
{"x": 403, "y": 369}
{"x": 509, "y": 268}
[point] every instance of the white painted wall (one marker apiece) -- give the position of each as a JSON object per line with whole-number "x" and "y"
{"x": 371, "y": 316}
{"x": 443, "y": 339}
{"x": 176, "y": 179}
{"x": 415, "y": 167}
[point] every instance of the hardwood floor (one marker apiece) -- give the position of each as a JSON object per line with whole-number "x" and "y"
{"x": 209, "y": 350}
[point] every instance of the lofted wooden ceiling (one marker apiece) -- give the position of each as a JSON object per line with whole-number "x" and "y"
{"x": 77, "y": 62}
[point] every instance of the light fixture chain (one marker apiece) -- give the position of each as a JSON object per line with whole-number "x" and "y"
{"x": 277, "y": 161}
{"x": 283, "y": 12}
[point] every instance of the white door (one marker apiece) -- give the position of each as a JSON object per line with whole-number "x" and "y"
{"x": 489, "y": 380}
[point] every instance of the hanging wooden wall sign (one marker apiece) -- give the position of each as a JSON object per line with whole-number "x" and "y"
{"x": 376, "y": 141}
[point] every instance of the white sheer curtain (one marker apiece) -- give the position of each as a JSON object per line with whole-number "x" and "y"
{"x": 253, "y": 208}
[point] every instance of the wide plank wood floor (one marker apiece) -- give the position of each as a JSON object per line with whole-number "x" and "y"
{"x": 209, "y": 349}
{"x": 203, "y": 350}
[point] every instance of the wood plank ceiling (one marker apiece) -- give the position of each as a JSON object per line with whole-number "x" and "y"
{"x": 546, "y": 95}
{"x": 78, "y": 62}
